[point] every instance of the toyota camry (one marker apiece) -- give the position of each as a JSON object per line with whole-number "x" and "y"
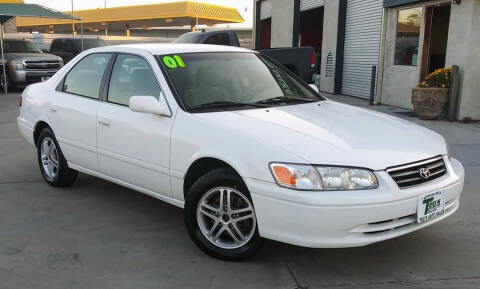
{"x": 244, "y": 146}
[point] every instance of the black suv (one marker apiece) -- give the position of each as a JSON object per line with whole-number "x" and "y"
{"x": 68, "y": 48}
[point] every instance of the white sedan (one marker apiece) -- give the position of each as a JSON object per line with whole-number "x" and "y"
{"x": 246, "y": 148}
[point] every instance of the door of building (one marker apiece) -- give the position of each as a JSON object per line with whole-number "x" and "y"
{"x": 437, "y": 21}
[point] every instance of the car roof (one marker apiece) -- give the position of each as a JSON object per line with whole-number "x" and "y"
{"x": 14, "y": 39}
{"x": 75, "y": 39}
{"x": 208, "y": 32}
{"x": 169, "y": 48}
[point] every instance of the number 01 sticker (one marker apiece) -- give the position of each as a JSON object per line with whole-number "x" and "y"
{"x": 174, "y": 61}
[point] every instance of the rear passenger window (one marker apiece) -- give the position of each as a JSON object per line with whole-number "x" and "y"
{"x": 68, "y": 46}
{"x": 86, "y": 76}
{"x": 131, "y": 75}
{"x": 56, "y": 45}
{"x": 218, "y": 39}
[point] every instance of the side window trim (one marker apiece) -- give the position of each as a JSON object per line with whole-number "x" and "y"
{"x": 107, "y": 82}
{"x": 106, "y": 78}
{"x": 61, "y": 85}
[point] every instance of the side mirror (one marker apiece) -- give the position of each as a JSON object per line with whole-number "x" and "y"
{"x": 314, "y": 87}
{"x": 149, "y": 104}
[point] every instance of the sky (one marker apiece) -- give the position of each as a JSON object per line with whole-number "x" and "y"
{"x": 245, "y": 7}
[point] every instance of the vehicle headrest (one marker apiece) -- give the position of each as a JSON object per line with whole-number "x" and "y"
{"x": 143, "y": 82}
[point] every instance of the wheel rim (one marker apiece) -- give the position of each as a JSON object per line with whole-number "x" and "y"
{"x": 226, "y": 218}
{"x": 49, "y": 157}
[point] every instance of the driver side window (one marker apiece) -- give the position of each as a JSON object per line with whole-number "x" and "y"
{"x": 131, "y": 75}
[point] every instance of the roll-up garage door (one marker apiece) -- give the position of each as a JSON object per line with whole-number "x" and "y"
{"x": 265, "y": 9}
{"x": 310, "y": 4}
{"x": 363, "y": 30}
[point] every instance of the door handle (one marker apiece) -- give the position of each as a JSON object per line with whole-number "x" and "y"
{"x": 104, "y": 123}
{"x": 53, "y": 109}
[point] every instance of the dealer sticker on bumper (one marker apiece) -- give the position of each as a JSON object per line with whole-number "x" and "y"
{"x": 430, "y": 206}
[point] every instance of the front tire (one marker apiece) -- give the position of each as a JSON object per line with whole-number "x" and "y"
{"x": 220, "y": 217}
{"x": 53, "y": 165}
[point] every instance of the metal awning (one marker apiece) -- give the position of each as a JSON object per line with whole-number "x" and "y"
{"x": 138, "y": 16}
{"x": 10, "y": 10}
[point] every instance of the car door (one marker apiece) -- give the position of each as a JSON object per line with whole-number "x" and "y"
{"x": 133, "y": 147}
{"x": 72, "y": 110}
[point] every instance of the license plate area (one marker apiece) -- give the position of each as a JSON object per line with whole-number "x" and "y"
{"x": 430, "y": 206}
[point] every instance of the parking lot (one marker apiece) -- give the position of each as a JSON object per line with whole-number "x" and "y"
{"x": 96, "y": 234}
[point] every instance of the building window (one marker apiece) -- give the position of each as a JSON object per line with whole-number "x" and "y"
{"x": 408, "y": 36}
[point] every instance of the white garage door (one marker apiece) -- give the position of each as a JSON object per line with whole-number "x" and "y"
{"x": 362, "y": 45}
{"x": 310, "y": 4}
{"x": 265, "y": 9}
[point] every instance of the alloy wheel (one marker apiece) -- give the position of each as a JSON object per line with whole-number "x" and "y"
{"x": 49, "y": 157}
{"x": 226, "y": 217}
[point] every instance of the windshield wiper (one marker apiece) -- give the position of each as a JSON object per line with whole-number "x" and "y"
{"x": 224, "y": 104}
{"x": 284, "y": 99}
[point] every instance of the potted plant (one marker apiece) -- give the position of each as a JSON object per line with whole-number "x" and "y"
{"x": 430, "y": 97}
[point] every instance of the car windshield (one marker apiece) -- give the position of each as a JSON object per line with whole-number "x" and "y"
{"x": 235, "y": 80}
{"x": 20, "y": 46}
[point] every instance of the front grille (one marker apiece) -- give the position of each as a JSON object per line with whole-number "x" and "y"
{"x": 409, "y": 175}
{"x": 42, "y": 65}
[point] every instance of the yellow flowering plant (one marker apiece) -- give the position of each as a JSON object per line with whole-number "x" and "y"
{"x": 440, "y": 78}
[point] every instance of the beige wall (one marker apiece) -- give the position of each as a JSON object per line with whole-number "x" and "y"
{"x": 282, "y": 23}
{"x": 463, "y": 49}
{"x": 329, "y": 45}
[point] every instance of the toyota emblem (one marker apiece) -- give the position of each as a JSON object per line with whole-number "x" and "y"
{"x": 424, "y": 173}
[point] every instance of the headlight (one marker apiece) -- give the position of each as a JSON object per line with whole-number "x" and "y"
{"x": 16, "y": 64}
{"x": 322, "y": 178}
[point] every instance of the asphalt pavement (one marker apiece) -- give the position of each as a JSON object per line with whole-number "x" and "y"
{"x": 96, "y": 234}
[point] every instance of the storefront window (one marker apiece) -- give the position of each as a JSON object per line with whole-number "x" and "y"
{"x": 408, "y": 36}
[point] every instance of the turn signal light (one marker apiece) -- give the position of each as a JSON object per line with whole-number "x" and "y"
{"x": 284, "y": 175}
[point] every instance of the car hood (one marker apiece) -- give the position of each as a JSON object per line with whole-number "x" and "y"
{"x": 332, "y": 133}
{"x": 34, "y": 56}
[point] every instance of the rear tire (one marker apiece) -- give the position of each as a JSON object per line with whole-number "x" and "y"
{"x": 227, "y": 231}
{"x": 52, "y": 163}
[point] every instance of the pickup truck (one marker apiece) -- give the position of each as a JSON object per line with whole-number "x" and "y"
{"x": 68, "y": 48}
{"x": 299, "y": 60}
{"x": 25, "y": 63}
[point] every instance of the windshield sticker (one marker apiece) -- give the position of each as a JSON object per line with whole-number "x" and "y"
{"x": 279, "y": 79}
{"x": 173, "y": 62}
{"x": 179, "y": 61}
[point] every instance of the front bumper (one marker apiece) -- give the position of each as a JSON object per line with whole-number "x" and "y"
{"x": 29, "y": 76}
{"x": 348, "y": 218}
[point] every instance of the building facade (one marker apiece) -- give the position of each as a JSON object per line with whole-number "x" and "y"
{"x": 380, "y": 49}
